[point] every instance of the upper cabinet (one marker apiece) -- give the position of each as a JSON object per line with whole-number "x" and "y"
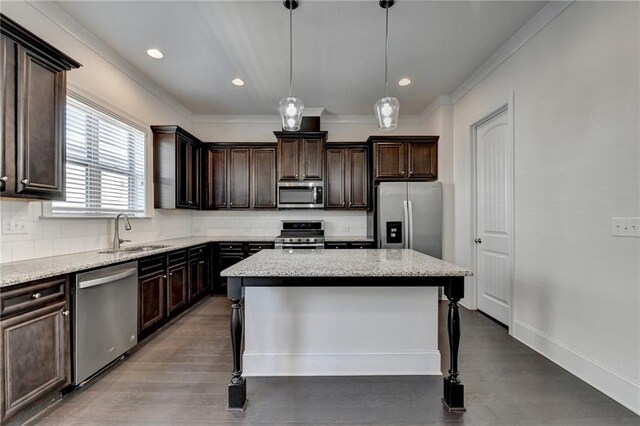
{"x": 240, "y": 176}
{"x": 176, "y": 168}
{"x": 33, "y": 87}
{"x": 300, "y": 155}
{"x": 405, "y": 157}
{"x": 347, "y": 180}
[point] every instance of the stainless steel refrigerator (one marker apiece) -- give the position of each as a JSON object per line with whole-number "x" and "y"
{"x": 410, "y": 216}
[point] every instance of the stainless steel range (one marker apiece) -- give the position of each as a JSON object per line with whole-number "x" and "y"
{"x": 295, "y": 234}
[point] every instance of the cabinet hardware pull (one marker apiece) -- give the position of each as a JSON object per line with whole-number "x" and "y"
{"x": 478, "y": 241}
{"x": 4, "y": 178}
{"x": 36, "y": 295}
{"x": 201, "y": 262}
{"x": 170, "y": 274}
{"x": 164, "y": 276}
{"x": 25, "y": 181}
{"x": 65, "y": 313}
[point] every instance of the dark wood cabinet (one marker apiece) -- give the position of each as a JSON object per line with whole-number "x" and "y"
{"x": 32, "y": 114}
{"x": 216, "y": 179}
{"x": 35, "y": 344}
{"x": 151, "y": 293}
{"x": 350, "y": 245}
{"x": 405, "y": 157}
{"x": 176, "y": 168}
{"x": 347, "y": 181}
{"x": 198, "y": 273}
{"x": 228, "y": 254}
{"x": 300, "y": 155}
{"x": 177, "y": 286}
{"x": 240, "y": 176}
{"x": 263, "y": 175}
{"x": 239, "y": 181}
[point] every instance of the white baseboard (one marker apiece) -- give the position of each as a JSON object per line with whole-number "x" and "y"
{"x": 342, "y": 364}
{"x": 610, "y": 382}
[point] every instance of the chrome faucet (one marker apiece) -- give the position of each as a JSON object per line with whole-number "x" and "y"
{"x": 116, "y": 236}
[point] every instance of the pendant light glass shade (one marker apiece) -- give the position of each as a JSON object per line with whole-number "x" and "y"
{"x": 388, "y": 108}
{"x": 290, "y": 109}
{"x": 387, "y": 111}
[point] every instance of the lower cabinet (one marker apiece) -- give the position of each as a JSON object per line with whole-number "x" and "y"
{"x": 198, "y": 273}
{"x": 151, "y": 300}
{"x": 350, "y": 245}
{"x": 177, "y": 286}
{"x": 226, "y": 255}
{"x": 35, "y": 345}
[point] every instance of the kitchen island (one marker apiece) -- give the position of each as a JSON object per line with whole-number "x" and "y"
{"x": 344, "y": 268}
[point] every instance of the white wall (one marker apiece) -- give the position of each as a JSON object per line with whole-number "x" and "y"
{"x": 577, "y": 161}
{"x": 114, "y": 88}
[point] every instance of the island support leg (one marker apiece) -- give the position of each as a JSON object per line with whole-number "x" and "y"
{"x": 453, "y": 388}
{"x": 237, "y": 386}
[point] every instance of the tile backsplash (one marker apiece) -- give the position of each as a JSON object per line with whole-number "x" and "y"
{"x": 50, "y": 237}
{"x": 267, "y": 223}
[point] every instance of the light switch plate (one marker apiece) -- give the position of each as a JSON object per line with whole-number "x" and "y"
{"x": 625, "y": 226}
{"x": 13, "y": 227}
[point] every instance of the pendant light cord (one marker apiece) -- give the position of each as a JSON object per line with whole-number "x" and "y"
{"x": 291, "y": 48}
{"x": 386, "y": 51}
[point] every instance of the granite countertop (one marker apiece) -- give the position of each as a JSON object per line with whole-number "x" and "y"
{"x": 344, "y": 263}
{"x": 13, "y": 273}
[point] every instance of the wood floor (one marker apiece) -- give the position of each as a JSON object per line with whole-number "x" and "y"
{"x": 181, "y": 376}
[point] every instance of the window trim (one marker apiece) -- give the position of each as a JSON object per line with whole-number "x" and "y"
{"x": 111, "y": 110}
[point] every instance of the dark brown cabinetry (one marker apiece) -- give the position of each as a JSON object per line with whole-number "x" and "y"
{"x": 240, "y": 176}
{"x": 176, "y": 168}
{"x": 198, "y": 273}
{"x": 35, "y": 344}
{"x": 151, "y": 293}
{"x": 177, "y": 281}
{"x": 350, "y": 245}
{"x": 405, "y": 157}
{"x": 32, "y": 114}
{"x": 228, "y": 254}
{"x": 300, "y": 155}
{"x": 347, "y": 181}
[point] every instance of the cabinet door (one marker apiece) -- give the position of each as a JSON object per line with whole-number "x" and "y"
{"x": 216, "y": 179}
{"x": 194, "y": 175}
{"x": 390, "y": 160}
{"x": 335, "y": 193}
{"x": 423, "y": 161}
{"x": 196, "y": 278}
{"x": 151, "y": 301}
{"x": 183, "y": 172}
{"x": 358, "y": 178}
{"x": 226, "y": 260}
{"x": 203, "y": 275}
{"x": 311, "y": 159}
{"x": 288, "y": 159}
{"x": 176, "y": 287}
{"x": 239, "y": 178}
{"x": 35, "y": 357}
{"x": 40, "y": 119}
{"x": 264, "y": 178}
{"x": 6, "y": 48}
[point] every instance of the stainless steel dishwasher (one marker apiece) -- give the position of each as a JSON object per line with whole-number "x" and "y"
{"x": 105, "y": 317}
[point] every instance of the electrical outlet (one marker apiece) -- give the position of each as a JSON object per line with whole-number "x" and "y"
{"x": 14, "y": 227}
{"x": 626, "y": 226}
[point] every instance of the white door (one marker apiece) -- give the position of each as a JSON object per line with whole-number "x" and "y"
{"x": 493, "y": 226}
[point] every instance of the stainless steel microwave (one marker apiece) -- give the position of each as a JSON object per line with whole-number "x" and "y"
{"x": 301, "y": 195}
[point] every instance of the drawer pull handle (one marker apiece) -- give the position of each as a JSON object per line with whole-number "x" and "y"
{"x": 164, "y": 276}
{"x": 65, "y": 313}
{"x": 4, "y": 178}
{"x": 201, "y": 262}
{"x": 36, "y": 295}
{"x": 25, "y": 181}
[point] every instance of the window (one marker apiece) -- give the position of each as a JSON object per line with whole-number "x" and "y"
{"x": 105, "y": 164}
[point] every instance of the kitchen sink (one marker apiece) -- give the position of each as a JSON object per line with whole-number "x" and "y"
{"x": 134, "y": 249}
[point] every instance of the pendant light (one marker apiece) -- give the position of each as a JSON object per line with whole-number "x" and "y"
{"x": 387, "y": 108}
{"x": 291, "y": 108}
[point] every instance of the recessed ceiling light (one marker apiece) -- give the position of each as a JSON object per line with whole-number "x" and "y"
{"x": 404, "y": 81}
{"x": 155, "y": 53}
{"x": 238, "y": 81}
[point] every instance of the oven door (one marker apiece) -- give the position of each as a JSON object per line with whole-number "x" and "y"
{"x": 300, "y": 195}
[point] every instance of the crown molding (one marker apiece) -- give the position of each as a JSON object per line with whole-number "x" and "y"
{"x": 59, "y": 17}
{"x": 540, "y": 20}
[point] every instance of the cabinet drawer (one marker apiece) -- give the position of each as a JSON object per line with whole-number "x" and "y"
{"x": 231, "y": 248}
{"x": 151, "y": 265}
{"x": 197, "y": 251}
{"x": 177, "y": 257}
{"x": 256, "y": 247}
{"x": 31, "y": 296}
{"x": 362, "y": 245}
{"x": 335, "y": 245}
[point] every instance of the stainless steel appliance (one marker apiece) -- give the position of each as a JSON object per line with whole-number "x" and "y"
{"x": 410, "y": 216}
{"x": 301, "y": 195}
{"x": 105, "y": 317}
{"x": 295, "y": 234}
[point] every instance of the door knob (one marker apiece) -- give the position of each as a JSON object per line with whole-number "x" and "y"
{"x": 478, "y": 240}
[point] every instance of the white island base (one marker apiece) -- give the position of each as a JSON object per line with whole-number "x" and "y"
{"x": 334, "y": 331}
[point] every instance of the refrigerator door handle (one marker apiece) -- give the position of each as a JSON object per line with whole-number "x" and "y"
{"x": 405, "y": 210}
{"x": 410, "y": 230}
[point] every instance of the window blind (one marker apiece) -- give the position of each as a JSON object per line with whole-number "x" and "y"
{"x": 104, "y": 165}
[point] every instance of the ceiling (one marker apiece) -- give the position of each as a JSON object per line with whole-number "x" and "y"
{"x": 338, "y": 49}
